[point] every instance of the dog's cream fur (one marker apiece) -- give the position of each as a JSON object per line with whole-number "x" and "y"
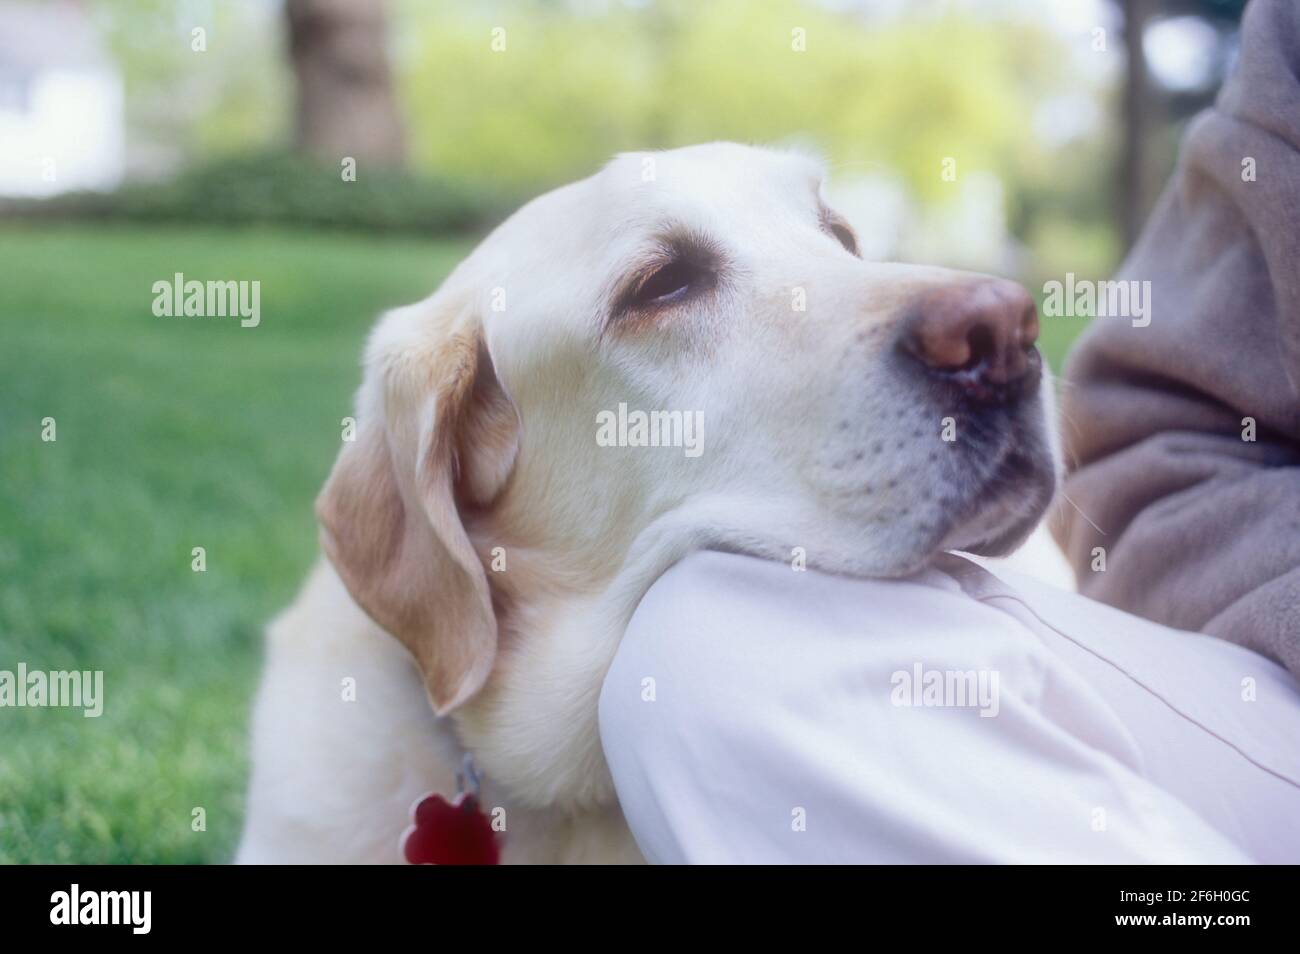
{"x": 476, "y": 439}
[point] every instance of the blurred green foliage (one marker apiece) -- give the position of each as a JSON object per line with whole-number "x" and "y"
{"x": 233, "y": 96}
{"x": 285, "y": 189}
{"x": 569, "y": 90}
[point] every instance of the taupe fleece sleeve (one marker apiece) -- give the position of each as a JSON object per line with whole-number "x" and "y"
{"x": 1202, "y": 528}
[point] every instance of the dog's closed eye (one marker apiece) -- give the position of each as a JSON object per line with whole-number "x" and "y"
{"x": 677, "y": 273}
{"x": 670, "y": 283}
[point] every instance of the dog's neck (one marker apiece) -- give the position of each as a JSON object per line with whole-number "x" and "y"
{"x": 560, "y": 626}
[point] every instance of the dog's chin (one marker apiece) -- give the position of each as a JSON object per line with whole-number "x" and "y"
{"x": 1001, "y": 516}
{"x": 996, "y": 541}
{"x": 992, "y": 519}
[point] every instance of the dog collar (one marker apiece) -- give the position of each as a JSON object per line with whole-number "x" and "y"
{"x": 456, "y": 832}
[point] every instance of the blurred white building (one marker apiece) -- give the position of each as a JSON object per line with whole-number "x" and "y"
{"x": 62, "y": 122}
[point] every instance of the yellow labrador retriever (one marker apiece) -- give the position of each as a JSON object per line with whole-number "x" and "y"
{"x": 683, "y": 351}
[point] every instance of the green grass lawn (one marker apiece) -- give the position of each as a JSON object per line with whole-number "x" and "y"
{"x": 172, "y": 433}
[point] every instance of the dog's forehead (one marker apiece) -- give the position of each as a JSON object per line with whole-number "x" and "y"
{"x": 723, "y": 176}
{"x": 637, "y": 191}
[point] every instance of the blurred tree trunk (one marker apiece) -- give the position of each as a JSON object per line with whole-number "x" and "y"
{"x": 346, "y": 105}
{"x": 1135, "y": 194}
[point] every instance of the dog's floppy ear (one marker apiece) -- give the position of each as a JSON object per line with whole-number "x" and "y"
{"x": 434, "y": 430}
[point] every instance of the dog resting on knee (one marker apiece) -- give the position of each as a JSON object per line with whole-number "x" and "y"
{"x": 505, "y": 504}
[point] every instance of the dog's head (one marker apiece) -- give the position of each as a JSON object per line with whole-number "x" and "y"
{"x": 684, "y": 344}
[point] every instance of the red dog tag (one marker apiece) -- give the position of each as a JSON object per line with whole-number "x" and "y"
{"x": 450, "y": 833}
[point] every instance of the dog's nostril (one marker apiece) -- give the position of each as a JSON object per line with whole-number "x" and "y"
{"x": 981, "y": 343}
{"x": 976, "y": 335}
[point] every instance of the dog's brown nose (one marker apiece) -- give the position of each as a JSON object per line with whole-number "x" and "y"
{"x": 978, "y": 334}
